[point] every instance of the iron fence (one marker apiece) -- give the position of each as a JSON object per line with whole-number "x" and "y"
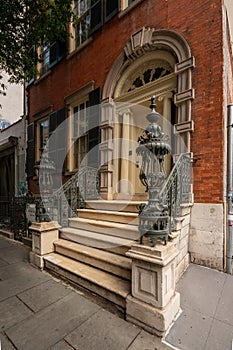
{"x": 14, "y": 214}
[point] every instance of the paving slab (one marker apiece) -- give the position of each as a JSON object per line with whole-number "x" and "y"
{"x": 196, "y": 295}
{"x": 3, "y": 263}
{"x": 4, "y": 242}
{"x": 52, "y": 324}
{"x": 14, "y": 254}
{"x": 4, "y": 343}
{"x": 225, "y": 306}
{"x": 146, "y": 341}
{"x": 103, "y": 331}
{"x": 12, "y": 311}
{"x": 62, "y": 345}
{"x": 190, "y": 331}
{"x": 21, "y": 268}
{"x": 41, "y": 296}
{"x": 220, "y": 337}
{"x": 16, "y": 285}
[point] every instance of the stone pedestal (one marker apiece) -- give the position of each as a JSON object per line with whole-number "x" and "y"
{"x": 154, "y": 303}
{"x": 43, "y": 236}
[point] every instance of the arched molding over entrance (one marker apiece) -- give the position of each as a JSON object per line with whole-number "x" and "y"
{"x": 149, "y": 61}
{"x": 146, "y": 45}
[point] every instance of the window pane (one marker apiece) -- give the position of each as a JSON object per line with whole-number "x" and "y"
{"x": 43, "y": 134}
{"x": 79, "y": 133}
{"x": 83, "y": 23}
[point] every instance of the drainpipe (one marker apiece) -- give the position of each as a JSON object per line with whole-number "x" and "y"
{"x": 229, "y": 239}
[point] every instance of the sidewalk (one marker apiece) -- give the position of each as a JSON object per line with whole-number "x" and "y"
{"x": 206, "y": 321}
{"x": 38, "y": 312}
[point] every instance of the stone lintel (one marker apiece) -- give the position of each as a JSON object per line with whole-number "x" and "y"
{"x": 159, "y": 255}
{"x": 148, "y": 317}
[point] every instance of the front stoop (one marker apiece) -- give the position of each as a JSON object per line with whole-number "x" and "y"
{"x": 101, "y": 272}
{"x": 100, "y": 241}
{"x": 99, "y": 252}
{"x": 91, "y": 251}
{"x": 103, "y": 260}
{"x": 102, "y": 283}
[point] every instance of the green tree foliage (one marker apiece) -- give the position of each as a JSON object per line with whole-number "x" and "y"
{"x": 25, "y": 25}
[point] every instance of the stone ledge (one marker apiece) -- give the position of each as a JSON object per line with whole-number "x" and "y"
{"x": 208, "y": 261}
{"x": 44, "y": 226}
{"x": 7, "y": 234}
{"x": 162, "y": 254}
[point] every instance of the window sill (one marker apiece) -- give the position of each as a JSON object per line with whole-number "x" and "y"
{"x": 42, "y": 77}
{"x": 129, "y": 8}
{"x": 79, "y": 48}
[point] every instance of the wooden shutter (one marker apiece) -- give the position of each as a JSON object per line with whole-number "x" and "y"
{"x": 94, "y": 128}
{"x": 96, "y": 15}
{"x": 57, "y": 138}
{"x": 61, "y": 134}
{"x": 30, "y": 150}
{"x": 112, "y": 7}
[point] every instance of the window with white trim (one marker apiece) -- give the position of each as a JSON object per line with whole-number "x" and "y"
{"x": 44, "y": 59}
{"x": 80, "y": 134}
{"x": 50, "y": 55}
{"x": 82, "y": 23}
{"x": 126, "y": 3}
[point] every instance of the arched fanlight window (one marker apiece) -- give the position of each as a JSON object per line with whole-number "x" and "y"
{"x": 152, "y": 72}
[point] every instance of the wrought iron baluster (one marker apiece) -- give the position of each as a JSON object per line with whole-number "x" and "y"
{"x": 81, "y": 186}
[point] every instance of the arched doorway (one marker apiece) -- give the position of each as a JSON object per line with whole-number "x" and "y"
{"x": 151, "y": 74}
{"x": 153, "y": 63}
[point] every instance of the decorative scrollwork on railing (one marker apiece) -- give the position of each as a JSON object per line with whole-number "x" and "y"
{"x": 177, "y": 188}
{"x": 83, "y": 185}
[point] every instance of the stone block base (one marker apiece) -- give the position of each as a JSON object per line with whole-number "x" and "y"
{"x": 153, "y": 320}
{"x": 181, "y": 267}
{"x": 206, "y": 241}
{"x": 36, "y": 260}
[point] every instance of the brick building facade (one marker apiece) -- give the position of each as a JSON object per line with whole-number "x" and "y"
{"x": 119, "y": 55}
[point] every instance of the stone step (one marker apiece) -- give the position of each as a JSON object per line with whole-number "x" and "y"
{"x": 106, "y": 227}
{"x": 113, "y": 244}
{"x": 108, "y": 286}
{"x": 114, "y": 205}
{"x": 109, "y": 262}
{"x": 107, "y": 215}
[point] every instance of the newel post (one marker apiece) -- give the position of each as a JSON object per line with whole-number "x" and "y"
{"x": 154, "y": 302}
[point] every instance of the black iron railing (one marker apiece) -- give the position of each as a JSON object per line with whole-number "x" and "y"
{"x": 82, "y": 186}
{"x": 14, "y": 214}
{"x": 177, "y": 188}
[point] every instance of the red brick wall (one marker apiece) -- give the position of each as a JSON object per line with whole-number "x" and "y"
{"x": 200, "y": 23}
